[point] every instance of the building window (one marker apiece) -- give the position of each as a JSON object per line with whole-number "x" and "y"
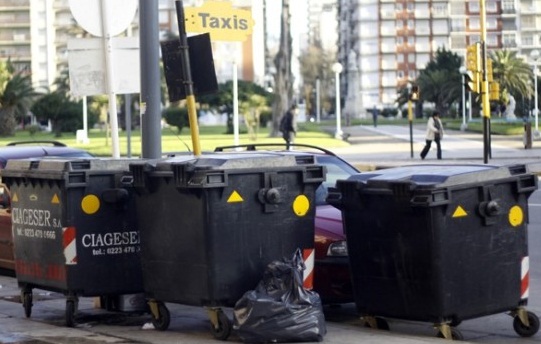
{"x": 458, "y": 24}
{"x": 399, "y": 24}
{"x": 508, "y": 40}
{"x": 492, "y": 40}
{"x": 473, "y": 6}
{"x": 400, "y": 74}
{"x": 400, "y": 58}
{"x": 411, "y": 58}
{"x": 508, "y": 5}
{"x": 491, "y": 6}
{"x": 411, "y": 7}
{"x": 411, "y": 24}
{"x": 474, "y": 24}
{"x": 492, "y": 23}
{"x": 399, "y": 40}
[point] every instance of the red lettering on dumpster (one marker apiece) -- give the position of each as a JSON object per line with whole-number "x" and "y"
{"x": 52, "y": 272}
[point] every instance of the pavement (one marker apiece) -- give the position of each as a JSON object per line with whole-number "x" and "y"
{"x": 392, "y": 145}
{"x": 371, "y": 148}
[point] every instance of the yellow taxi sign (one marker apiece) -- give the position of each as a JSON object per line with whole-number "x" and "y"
{"x": 221, "y": 20}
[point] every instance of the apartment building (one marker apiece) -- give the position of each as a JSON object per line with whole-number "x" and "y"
{"x": 390, "y": 41}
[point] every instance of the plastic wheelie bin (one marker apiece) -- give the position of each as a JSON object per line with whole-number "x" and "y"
{"x": 74, "y": 229}
{"x": 210, "y": 225}
{"x": 439, "y": 243}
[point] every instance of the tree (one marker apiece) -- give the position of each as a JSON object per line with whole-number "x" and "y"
{"x": 65, "y": 115}
{"x": 222, "y": 101}
{"x": 512, "y": 73}
{"x": 283, "y": 79}
{"x": 176, "y": 116}
{"x": 315, "y": 63}
{"x": 16, "y": 96}
{"x": 440, "y": 81}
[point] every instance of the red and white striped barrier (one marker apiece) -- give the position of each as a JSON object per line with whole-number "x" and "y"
{"x": 525, "y": 278}
{"x": 68, "y": 243}
{"x": 308, "y": 255}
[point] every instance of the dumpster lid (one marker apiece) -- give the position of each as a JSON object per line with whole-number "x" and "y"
{"x": 231, "y": 160}
{"x": 441, "y": 175}
{"x": 28, "y": 166}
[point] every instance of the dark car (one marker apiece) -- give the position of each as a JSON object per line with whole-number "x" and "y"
{"x": 23, "y": 150}
{"x": 332, "y": 280}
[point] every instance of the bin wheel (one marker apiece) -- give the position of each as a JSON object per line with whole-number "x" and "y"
{"x": 526, "y": 331}
{"x": 70, "y": 313}
{"x": 222, "y": 329}
{"x": 381, "y": 324}
{"x": 455, "y": 334}
{"x": 164, "y": 318}
{"x": 27, "y": 303}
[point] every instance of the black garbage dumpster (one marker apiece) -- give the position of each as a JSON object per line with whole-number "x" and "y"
{"x": 74, "y": 228}
{"x": 210, "y": 225}
{"x": 439, "y": 243}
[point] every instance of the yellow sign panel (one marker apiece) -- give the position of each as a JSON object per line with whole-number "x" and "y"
{"x": 221, "y": 20}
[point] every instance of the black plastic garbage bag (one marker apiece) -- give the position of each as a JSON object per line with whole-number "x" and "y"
{"x": 280, "y": 309}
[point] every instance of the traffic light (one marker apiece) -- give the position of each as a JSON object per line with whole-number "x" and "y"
{"x": 472, "y": 81}
{"x": 415, "y": 94}
{"x": 473, "y": 57}
{"x": 494, "y": 89}
{"x": 489, "y": 70}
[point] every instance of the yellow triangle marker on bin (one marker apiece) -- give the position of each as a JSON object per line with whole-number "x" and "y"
{"x": 15, "y": 198}
{"x": 55, "y": 199}
{"x": 234, "y": 197}
{"x": 460, "y": 212}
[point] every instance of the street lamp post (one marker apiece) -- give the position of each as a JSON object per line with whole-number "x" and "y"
{"x": 463, "y": 71}
{"x": 535, "y": 56}
{"x": 337, "y": 69}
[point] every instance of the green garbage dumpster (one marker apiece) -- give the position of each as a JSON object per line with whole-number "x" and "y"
{"x": 210, "y": 225}
{"x": 439, "y": 243}
{"x": 74, "y": 228}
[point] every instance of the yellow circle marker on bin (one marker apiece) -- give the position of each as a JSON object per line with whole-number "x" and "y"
{"x": 90, "y": 204}
{"x": 516, "y": 216}
{"x": 301, "y": 204}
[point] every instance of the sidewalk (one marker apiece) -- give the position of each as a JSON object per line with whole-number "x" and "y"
{"x": 189, "y": 325}
{"x": 390, "y": 145}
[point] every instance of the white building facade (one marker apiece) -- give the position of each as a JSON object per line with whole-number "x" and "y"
{"x": 394, "y": 40}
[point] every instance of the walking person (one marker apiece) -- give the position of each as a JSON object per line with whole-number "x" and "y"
{"x": 287, "y": 126}
{"x": 434, "y": 132}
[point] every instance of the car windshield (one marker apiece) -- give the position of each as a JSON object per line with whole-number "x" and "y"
{"x": 336, "y": 169}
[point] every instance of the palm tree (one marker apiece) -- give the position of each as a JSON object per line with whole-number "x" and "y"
{"x": 439, "y": 87}
{"x": 16, "y": 97}
{"x": 512, "y": 73}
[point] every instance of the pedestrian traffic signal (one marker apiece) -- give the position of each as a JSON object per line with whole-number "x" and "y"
{"x": 415, "y": 94}
{"x": 489, "y": 70}
{"x": 472, "y": 81}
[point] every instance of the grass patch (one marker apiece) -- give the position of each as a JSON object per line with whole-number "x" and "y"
{"x": 171, "y": 141}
